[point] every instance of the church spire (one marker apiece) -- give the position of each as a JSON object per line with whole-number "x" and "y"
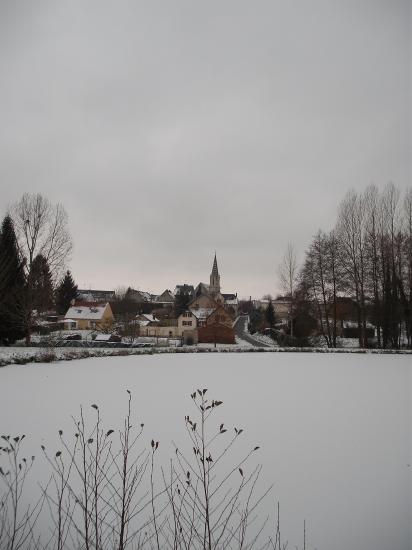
{"x": 214, "y": 278}
{"x": 215, "y": 270}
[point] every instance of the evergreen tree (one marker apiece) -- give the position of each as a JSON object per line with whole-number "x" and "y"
{"x": 12, "y": 286}
{"x": 270, "y": 315}
{"x": 41, "y": 284}
{"x": 65, "y": 293}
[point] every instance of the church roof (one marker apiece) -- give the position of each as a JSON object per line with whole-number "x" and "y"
{"x": 215, "y": 270}
{"x": 202, "y": 288}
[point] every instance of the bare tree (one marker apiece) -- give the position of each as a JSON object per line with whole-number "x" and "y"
{"x": 367, "y": 258}
{"x": 93, "y": 496}
{"x": 17, "y": 519}
{"x": 407, "y": 271}
{"x": 391, "y": 266}
{"x": 288, "y": 274}
{"x": 352, "y": 237}
{"x": 319, "y": 280}
{"x": 211, "y": 500}
{"x": 102, "y": 494}
{"x": 120, "y": 292}
{"x": 42, "y": 229}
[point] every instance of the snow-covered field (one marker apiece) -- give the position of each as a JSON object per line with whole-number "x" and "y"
{"x": 334, "y": 430}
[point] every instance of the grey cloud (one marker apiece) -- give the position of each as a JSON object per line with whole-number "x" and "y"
{"x": 171, "y": 129}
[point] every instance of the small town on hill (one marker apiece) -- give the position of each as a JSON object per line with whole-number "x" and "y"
{"x": 352, "y": 290}
{"x": 190, "y": 315}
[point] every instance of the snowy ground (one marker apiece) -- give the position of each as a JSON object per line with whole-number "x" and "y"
{"x": 334, "y": 430}
{"x": 264, "y": 339}
{"x": 19, "y": 355}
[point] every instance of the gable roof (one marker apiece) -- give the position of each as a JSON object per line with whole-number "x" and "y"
{"x": 92, "y": 313}
{"x": 221, "y": 310}
{"x": 165, "y": 297}
{"x": 145, "y": 318}
{"x": 209, "y": 300}
{"x": 138, "y": 295}
{"x": 202, "y": 288}
{"x": 203, "y": 313}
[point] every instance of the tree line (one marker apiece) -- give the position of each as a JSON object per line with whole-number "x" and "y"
{"x": 365, "y": 260}
{"x": 35, "y": 245}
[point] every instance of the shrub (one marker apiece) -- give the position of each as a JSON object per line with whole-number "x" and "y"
{"x": 104, "y": 490}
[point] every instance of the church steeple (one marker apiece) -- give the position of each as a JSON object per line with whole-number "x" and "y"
{"x": 214, "y": 278}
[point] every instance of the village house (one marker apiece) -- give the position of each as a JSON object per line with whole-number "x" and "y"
{"x": 139, "y": 296}
{"x": 166, "y": 328}
{"x": 187, "y": 321}
{"x": 166, "y": 299}
{"x": 220, "y": 316}
{"x": 147, "y": 302}
{"x": 86, "y": 317}
{"x": 231, "y": 304}
{"x": 184, "y": 289}
{"x": 218, "y": 328}
{"x": 144, "y": 319}
{"x": 100, "y": 296}
{"x": 185, "y": 326}
{"x": 201, "y": 307}
{"x": 201, "y": 315}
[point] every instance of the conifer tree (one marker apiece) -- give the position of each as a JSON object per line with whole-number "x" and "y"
{"x": 270, "y": 315}
{"x": 12, "y": 286}
{"x": 182, "y": 300}
{"x": 65, "y": 293}
{"x": 41, "y": 284}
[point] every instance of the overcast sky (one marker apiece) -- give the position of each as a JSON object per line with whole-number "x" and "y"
{"x": 171, "y": 129}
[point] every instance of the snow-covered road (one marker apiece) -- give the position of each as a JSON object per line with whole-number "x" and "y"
{"x": 243, "y": 334}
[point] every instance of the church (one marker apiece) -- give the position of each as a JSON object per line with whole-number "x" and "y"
{"x": 208, "y": 297}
